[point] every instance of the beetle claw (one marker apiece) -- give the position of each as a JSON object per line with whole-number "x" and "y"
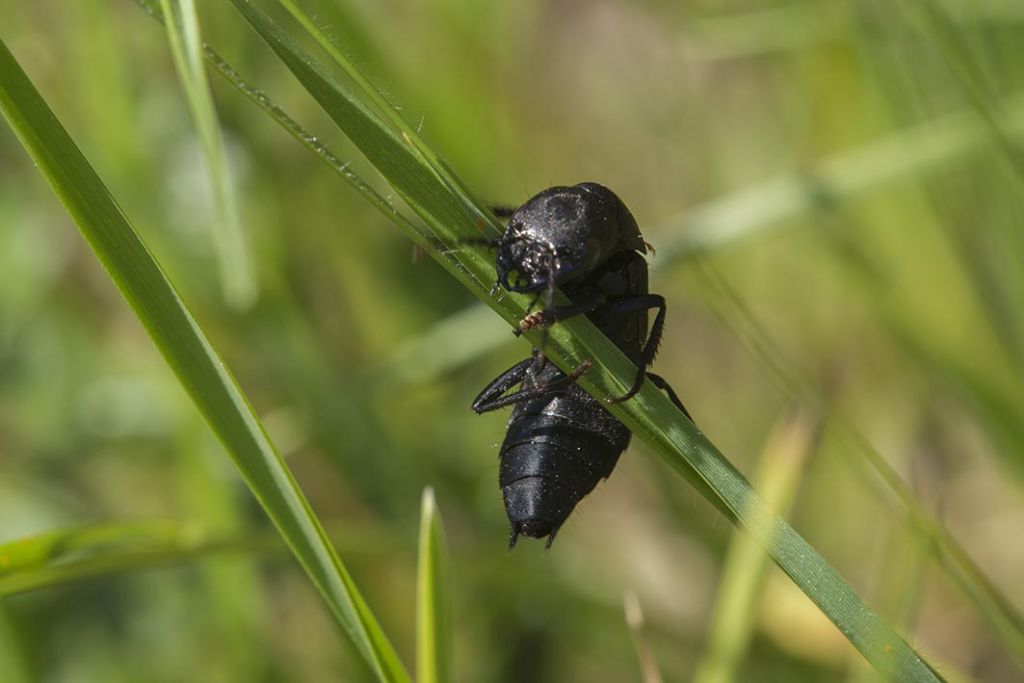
{"x": 528, "y": 323}
{"x": 535, "y": 319}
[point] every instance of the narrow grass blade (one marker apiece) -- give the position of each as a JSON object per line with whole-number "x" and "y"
{"x": 28, "y": 554}
{"x": 68, "y": 555}
{"x": 732, "y": 621}
{"x": 649, "y": 671}
{"x": 651, "y": 416}
{"x": 189, "y": 353}
{"x": 389, "y": 111}
{"x": 433, "y": 624}
{"x": 229, "y": 240}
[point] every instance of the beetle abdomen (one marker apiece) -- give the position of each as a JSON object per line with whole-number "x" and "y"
{"x": 556, "y": 451}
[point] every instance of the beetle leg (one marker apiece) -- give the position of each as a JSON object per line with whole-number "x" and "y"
{"x": 505, "y": 381}
{"x": 550, "y": 316}
{"x": 650, "y": 350}
{"x": 659, "y": 381}
{"x": 491, "y": 397}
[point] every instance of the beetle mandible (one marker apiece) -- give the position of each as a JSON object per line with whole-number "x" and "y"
{"x": 561, "y": 441}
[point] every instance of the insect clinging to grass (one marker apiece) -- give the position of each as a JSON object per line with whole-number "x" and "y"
{"x": 561, "y": 441}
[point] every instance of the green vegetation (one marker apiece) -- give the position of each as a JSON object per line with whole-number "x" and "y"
{"x": 894, "y": 326}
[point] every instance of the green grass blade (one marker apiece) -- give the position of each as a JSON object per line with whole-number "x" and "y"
{"x": 651, "y": 416}
{"x": 433, "y": 624}
{"x": 388, "y": 110}
{"x": 68, "y": 555}
{"x": 382, "y": 105}
{"x": 28, "y": 554}
{"x": 230, "y": 244}
{"x": 186, "y": 349}
{"x": 732, "y": 621}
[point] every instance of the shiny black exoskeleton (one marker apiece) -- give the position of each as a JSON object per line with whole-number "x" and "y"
{"x": 561, "y": 441}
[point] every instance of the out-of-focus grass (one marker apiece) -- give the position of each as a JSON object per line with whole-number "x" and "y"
{"x": 517, "y": 96}
{"x": 229, "y": 241}
{"x": 649, "y": 671}
{"x": 433, "y": 618}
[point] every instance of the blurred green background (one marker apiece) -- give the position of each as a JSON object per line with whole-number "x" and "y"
{"x": 836, "y": 193}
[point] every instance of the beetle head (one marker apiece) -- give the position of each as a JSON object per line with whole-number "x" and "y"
{"x": 528, "y": 264}
{"x": 564, "y": 233}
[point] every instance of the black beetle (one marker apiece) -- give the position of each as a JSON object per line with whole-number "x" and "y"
{"x": 561, "y": 441}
